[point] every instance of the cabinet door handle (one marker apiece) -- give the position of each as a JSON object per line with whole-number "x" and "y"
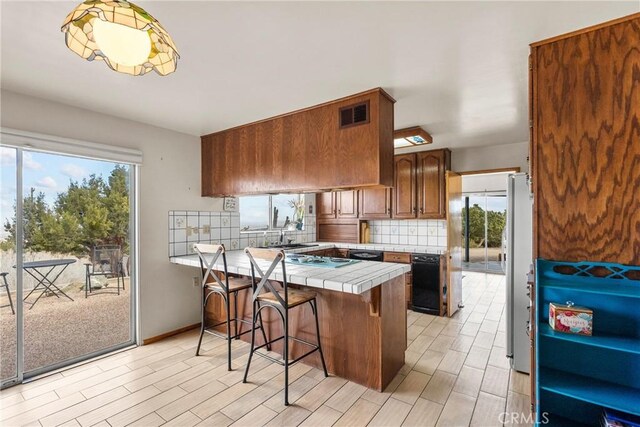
{"x": 389, "y": 210}
{"x": 415, "y": 210}
{"x": 421, "y": 210}
{"x": 339, "y": 212}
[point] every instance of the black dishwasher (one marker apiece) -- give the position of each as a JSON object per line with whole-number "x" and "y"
{"x": 425, "y": 287}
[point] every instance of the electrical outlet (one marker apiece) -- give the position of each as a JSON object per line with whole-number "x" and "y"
{"x": 196, "y": 281}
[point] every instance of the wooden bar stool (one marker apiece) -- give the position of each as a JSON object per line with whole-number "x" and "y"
{"x": 208, "y": 255}
{"x": 282, "y": 301}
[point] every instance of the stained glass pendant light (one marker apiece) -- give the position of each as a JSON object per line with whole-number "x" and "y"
{"x": 121, "y": 34}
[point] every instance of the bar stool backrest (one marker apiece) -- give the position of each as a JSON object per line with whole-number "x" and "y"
{"x": 275, "y": 257}
{"x": 216, "y": 250}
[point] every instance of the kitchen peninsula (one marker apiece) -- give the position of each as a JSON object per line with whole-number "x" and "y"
{"x": 362, "y": 315}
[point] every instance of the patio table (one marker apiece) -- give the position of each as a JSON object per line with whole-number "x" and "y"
{"x": 41, "y": 271}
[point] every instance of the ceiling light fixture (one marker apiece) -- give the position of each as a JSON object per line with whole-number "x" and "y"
{"x": 122, "y": 34}
{"x": 410, "y": 137}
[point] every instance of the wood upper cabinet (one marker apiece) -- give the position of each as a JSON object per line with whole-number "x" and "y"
{"x": 347, "y": 204}
{"x": 404, "y": 188}
{"x": 420, "y": 184}
{"x": 326, "y": 205}
{"x": 431, "y": 167}
{"x": 347, "y": 143}
{"x": 586, "y": 109}
{"x": 375, "y": 203}
{"x": 337, "y": 204}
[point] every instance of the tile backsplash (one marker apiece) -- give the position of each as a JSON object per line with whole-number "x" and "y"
{"x": 431, "y": 233}
{"x": 189, "y": 227}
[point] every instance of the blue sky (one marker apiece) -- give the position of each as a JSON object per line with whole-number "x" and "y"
{"x": 47, "y": 173}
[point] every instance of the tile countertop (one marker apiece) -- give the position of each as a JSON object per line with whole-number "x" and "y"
{"x": 354, "y": 279}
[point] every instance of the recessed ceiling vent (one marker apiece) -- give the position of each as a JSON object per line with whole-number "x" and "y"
{"x": 354, "y": 115}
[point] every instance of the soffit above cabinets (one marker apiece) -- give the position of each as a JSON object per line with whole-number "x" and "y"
{"x": 341, "y": 144}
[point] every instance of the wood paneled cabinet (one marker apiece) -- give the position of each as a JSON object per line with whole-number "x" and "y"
{"x": 326, "y": 205}
{"x": 337, "y": 204}
{"x": 375, "y": 203}
{"x": 404, "y": 186}
{"x": 420, "y": 184}
{"x": 347, "y": 203}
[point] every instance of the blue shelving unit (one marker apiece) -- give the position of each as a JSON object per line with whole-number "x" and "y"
{"x": 577, "y": 376}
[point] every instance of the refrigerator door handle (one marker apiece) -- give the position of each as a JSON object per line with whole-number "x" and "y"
{"x": 509, "y": 266}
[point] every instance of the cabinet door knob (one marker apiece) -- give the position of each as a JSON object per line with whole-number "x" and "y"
{"x": 415, "y": 210}
{"x": 421, "y": 210}
{"x": 339, "y": 211}
{"x": 389, "y": 210}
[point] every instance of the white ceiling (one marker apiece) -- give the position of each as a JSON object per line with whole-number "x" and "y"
{"x": 458, "y": 69}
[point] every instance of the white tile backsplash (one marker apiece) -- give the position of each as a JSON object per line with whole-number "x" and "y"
{"x": 189, "y": 227}
{"x": 427, "y": 233}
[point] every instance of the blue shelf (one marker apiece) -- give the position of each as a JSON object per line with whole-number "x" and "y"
{"x": 590, "y": 390}
{"x": 616, "y": 343}
{"x": 618, "y": 288}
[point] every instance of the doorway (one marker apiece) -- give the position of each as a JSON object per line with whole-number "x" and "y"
{"x": 484, "y": 219}
{"x": 68, "y": 260}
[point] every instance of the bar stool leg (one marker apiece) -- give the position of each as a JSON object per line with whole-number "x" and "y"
{"x": 314, "y": 309}
{"x": 202, "y": 319}
{"x": 286, "y": 357}
{"x": 235, "y": 314}
{"x": 264, "y": 335}
{"x": 254, "y": 316}
{"x": 226, "y": 301}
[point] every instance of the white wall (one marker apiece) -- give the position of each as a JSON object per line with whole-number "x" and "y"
{"x": 491, "y": 157}
{"x": 484, "y": 182}
{"x": 169, "y": 180}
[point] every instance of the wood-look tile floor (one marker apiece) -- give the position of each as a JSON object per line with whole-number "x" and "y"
{"x": 455, "y": 375}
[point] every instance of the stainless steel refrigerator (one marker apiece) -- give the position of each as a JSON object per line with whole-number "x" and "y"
{"x": 518, "y": 251}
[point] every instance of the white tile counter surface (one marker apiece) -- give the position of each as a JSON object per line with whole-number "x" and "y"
{"x": 377, "y": 247}
{"x": 354, "y": 279}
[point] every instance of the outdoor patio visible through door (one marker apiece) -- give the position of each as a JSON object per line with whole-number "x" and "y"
{"x": 67, "y": 245}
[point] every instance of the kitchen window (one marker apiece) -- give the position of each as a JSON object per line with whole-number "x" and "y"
{"x": 271, "y": 212}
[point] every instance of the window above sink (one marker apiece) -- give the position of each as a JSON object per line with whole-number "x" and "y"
{"x": 270, "y": 212}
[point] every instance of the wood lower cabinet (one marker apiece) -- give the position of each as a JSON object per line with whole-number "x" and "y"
{"x": 403, "y": 258}
{"x": 404, "y": 189}
{"x": 420, "y": 185}
{"x": 375, "y": 203}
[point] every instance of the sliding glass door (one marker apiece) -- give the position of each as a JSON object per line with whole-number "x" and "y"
{"x": 66, "y": 248}
{"x": 484, "y": 219}
{"x": 10, "y": 311}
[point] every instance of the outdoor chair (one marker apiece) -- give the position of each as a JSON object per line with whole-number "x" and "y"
{"x": 106, "y": 261}
{"x": 6, "y": 288}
